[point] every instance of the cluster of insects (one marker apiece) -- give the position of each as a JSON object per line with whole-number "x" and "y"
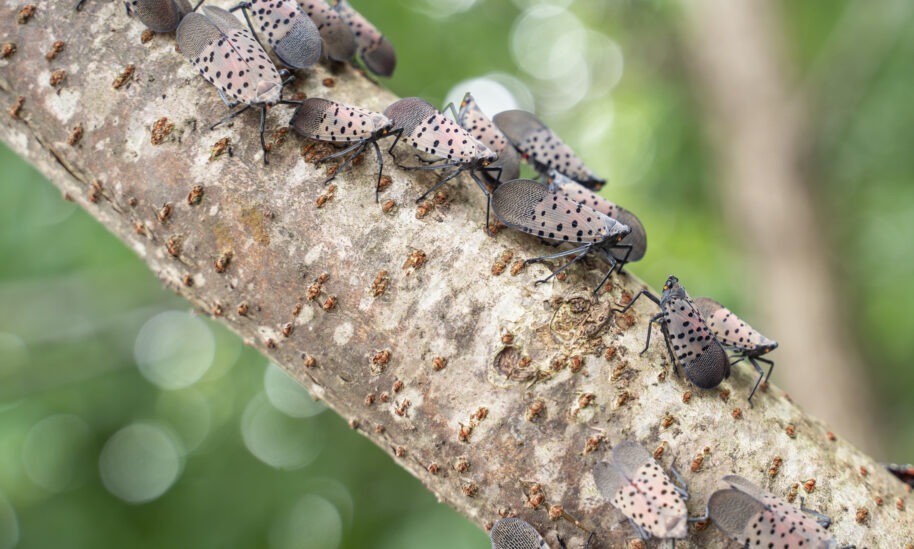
{"x": 703, "y": 338}
{"x": 655, "y": 506}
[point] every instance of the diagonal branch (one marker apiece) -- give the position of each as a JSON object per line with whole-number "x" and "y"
{"x": 421, "y": 332}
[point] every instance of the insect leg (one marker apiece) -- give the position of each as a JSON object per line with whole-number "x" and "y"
{"x": 377, "y": 187}
{"x": 198, "y": 4}
{"x": 669, "y": 348}
{"x": 343, "y": 152}
{"x": 650, "y": 324}
{"x": 823, "y": 520}
{"x": 450, "y": 107}
{"x": 450, "y": 176}
{"x": 645, "y": 293}
{"x": 435, "y": 167}
{"x": 580, "y": 256}
{"x": 485, "y": 191}
{"x": 229, "y": 117}
{"x": 263, "y": 125}
{"x": 612, "y": 267}
{"x": 346, "y": 163}
{"x": 768, "y": 362}
{"x": 79, "y": 5}
{"x": 761, "y": 374}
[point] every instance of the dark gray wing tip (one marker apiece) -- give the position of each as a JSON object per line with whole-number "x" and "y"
{"x": 382, "y": 60}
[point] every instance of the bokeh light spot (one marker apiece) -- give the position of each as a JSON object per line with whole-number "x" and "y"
{"x": 312, "y": 523}
{"x": 55, "y": 452}
{"x": 278, "y": 440}
{"x": 174, "y": 349}
{"x": 287, "y": 395}
{"x": 139, "y": 463}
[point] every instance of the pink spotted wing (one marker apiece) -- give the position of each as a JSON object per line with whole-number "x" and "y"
{"x": 542, "y": 147}
{"x": 637, "y": 239}
{"x": 730, "y": 330}
{"x": 531, "y": 207}
{"x": 757, "y": 518}
{"x": 226, "y": 53}
{"x": 636, "y": 485}
{"x": 327, "y": 120}
{"x": 339, "y": 43}
{"x": 473, "y": 120}
{"x": 514, "y": 533}
{"x": 377, "y": 53}
{"x": 431, "y": 132}
{"x": 292, "y": 34}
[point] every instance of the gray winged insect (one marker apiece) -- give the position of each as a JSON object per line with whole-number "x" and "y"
{"x": 534, "y": 208}
{"x": 428, "y": 131}
{"x": 514, "y": 533}
{"x": 376, "y": 52}
{"x": 691, "y": 344}
{"x": 159, "y": 15}
{"x": 543, "y": 149}
{"x": 227, "y": 54}
{"x": 355, "y": 127}
{"x": 292, "y": 34}
{"x": 637, "y": 239}
{"x": 735, "y": 335}
{"x": 339, "y": 43}
{"x": 473, "y": 120}
{"x": 757, "y": 518}
{"x": 636, "y": 485}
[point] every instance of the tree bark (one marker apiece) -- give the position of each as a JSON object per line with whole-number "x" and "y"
{"x": 480, "y": 384}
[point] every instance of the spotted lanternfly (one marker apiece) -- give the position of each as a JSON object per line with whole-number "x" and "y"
{"x": 904, "y": 473}
{"x": 636, "y": 485}
{"x": 543, "y": 149}
{"x": 473, "y": 120}
{"x": 292, "y": 35}
{"x": 356, "y": 127}
{"x": 376, "y": 52}
{"x": 691, "y": 344}
{"x": 736, "y": 335}
{"x": 532, "y": 207}
{"x": 431, "y": 132}
{"x": 514, "y": 533}
{"x": 229, "y": 57}
{"x": 637, "y": 239}
{"x": 339, "y": 43}
{"x": 158, "y": 15}
{"x": 757, "y": 518}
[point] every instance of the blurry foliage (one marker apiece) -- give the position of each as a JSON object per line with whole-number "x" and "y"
{"x": 73, "y": 298}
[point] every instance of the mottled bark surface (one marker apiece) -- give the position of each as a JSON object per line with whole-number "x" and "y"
{"x": 534, "y": 383}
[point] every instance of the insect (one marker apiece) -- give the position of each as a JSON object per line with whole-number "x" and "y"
{"x": 514, "y": 533}
{"x": 429, "y": 131}
{"x": 339, "y": 43}
{"x": 691, "y": 344}
{"x": 637, "y": 239}
{"x": 376, "y": 52}
{"x": 736, "y": 335}
{"x": 757, "y": 518}
{"x": 904, "y": 473}
{"x": 229, "y": 57}
{"x": 159, "y": 15}
{"x": 543, "y": 149}
{"x": 292, "y": 35}
{"x": 473, "y": 120}
{"x": 356, "y": 127}
{"x": 532, "y": 207}
{"x": 636, "y": 485}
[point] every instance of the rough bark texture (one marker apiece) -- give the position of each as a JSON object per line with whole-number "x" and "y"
{"x": 250, "y": 252}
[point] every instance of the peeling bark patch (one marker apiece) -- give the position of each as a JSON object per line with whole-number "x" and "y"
{"x": 343, "y": 333}
{"x": 384, "y": 182}
{"x": 415, "y": 260}
{"x": 8, "y": 49}
{"x": 56, "y": 48}
{"x": 470, "y": 490}
{"x": 686, "y": 397}
{"x": 423, "y": 208}
{"x": 329, "y": 303}
{"x": 578, "y": 317}
{"x": 195, "y": 196}
{"x": 17, "y": 107}
{"x": 462, "y": 464}
{"x": 809, "y": 485}
{"x": 697, "y": 462}
{"x": 379, "y": 361}
{"x": 862, "y": 515}
{"x": 775, "y": 467}
{"x": 508, "y": 363}
{"x": 124, "y": 77}
{"x": 223, "y": 261}
{"x": 379, "y": 286}
{"x": 57, "y": 78}
{"x": 535, "y": 410}
{"x": 388, "y": 206}
{"x": 517, "y": 267}
{"x": 76, "y": 135}
{"x": 161, "y": 130}
{"x": 737, "y": 413}
{"x": 326, "y": 197}
{"x": 791, "y": 431}
{"x": 219, "y": 148}
{"x": 243, "y": 308}
{"x": 309, "y": 362}
{"x": 146, "y": 36}
{"x": 593, "y": 443}
{"x": 163, "y": 213}
{"x": 793, "y": 492}
{"x": 173, "y": 246}
{"x": 26, "y": 13}
{"x": 439, "y": 363}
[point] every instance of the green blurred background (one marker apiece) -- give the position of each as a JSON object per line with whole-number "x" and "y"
{"x": 125, "y": 420}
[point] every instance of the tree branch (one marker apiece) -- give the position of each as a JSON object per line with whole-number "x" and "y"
{"x": 442, "y": 361}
